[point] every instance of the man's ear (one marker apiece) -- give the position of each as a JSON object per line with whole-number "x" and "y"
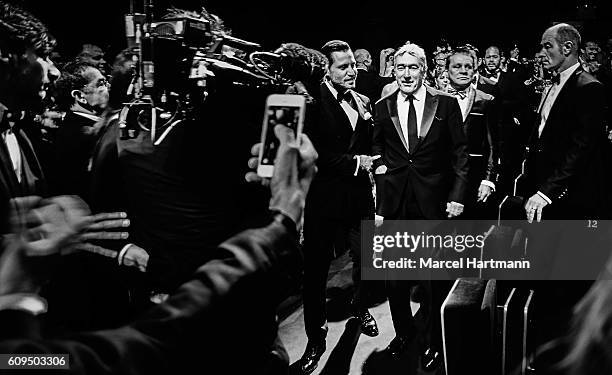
{"x": 567, "y": 48}
{"x": 78, "y": 96}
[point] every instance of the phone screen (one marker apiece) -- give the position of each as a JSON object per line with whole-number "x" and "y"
{"x": 283, "y": 115}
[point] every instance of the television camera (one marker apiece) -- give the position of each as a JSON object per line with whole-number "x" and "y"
{"x": 185, "y": 57}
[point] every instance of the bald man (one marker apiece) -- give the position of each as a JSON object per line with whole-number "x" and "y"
{"x": 565, "y": 178}
{"x": 368, "y": 82}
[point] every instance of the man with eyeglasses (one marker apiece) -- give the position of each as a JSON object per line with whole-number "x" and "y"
{"x": 421, "y": 173}
{"x": 83, "y": 94}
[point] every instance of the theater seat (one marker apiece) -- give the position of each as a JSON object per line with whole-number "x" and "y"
{"x": 468, "y": 326}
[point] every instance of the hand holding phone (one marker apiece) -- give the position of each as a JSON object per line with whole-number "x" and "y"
{"x": 287, "y": 110}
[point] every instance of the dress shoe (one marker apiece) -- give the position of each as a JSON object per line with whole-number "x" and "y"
{"x": 431, "y": 359}
{"x": 367, "y": 323}
{"x": 397, "y": 346}
{"x": 310, "y": 359}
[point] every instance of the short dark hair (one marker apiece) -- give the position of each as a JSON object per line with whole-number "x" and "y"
{"x": 499, "y": 51}
{"x": 20, "y": 31}
{"x": 72, "y": 78}
{"x": 568, "y": 33}
{"x": 461, "y": 51}
{"x": 334, "y": 46}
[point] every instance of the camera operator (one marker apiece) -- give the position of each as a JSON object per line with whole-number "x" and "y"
{"x": 181, "y": 189}
{"x": 250, "y": 273}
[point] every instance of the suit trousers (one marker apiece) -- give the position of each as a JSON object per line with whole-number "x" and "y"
{"x": 398, "y": 291}
{"x": 320, "y": 235}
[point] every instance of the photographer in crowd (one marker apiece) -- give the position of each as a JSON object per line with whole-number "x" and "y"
{"x": 83, "y": 95}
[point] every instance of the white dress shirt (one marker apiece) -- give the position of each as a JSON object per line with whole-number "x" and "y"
{"x": 548, "y": 99}
{"x": 464, "y": 104}
{"x": 551, "y": 94}
{"x": 14, "y": 151}
{"x": 403, "y": 106}
{"x": 351, "y": 112}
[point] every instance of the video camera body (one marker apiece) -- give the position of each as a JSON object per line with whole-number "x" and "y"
{"x": 183, "y": 59}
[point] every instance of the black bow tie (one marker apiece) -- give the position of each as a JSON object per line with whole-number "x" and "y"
{"x": 460, "y": 93}
{"x": 5, "y": 121}
{"x": 489, "y": 74}
{"x": 345, "y": 96}
{"x": 556, "y": 79}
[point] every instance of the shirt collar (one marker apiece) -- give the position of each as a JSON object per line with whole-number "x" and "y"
{"x": 331, "y": 88}
{"x": 3, "y": 110}
{"x": 419, "y": 94}
{"x": 87, "y": 115}
{"x": 567, "y": 73}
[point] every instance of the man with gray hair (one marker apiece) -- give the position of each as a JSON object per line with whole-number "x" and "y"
{"x": 422, "y": 171}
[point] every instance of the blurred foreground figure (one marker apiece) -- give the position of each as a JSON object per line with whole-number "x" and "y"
{"x": 250, "y": 272}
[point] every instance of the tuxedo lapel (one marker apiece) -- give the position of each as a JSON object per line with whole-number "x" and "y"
{"x": 392, "y": 108}
{"x": 361, "y": 120}
{"x": 335, "y": 110}
{"x": 471, "y": 100}
{"x": 560, "y": 101}
{"x": 429, "y": 112}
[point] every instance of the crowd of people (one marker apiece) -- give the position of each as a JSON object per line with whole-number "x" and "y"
{"x": 136, "y": 260}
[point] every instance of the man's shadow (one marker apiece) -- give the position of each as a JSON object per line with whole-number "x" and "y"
{"x": 380, "y": 362}
{"x": 339, "y": 361}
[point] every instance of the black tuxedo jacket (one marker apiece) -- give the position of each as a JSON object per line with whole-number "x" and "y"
{"x": 33, "y": 181}
{"x": 436, "y": 167}
{"x": 229, "y": 302}
{"x": 477, "y": 128}
{"x": 335, "y": 191}
{"x": 371, "y": 84}
{"x": 74, "y": 144}
{"x": 566, "y": 162}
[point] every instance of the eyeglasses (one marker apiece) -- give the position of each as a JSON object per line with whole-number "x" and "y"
{"x": 98, "y": 84}
{"x": 102, "y": 82}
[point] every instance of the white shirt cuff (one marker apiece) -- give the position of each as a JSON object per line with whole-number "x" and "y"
{"x": 32, "y": 303}
{"x": 461, "y": 204}
{"x": 488, "y": 183}
{"x": 358, "y": 165}
{"x": 378, "y": 217}
{"x": 545, "y": 197}
{"x": 122, "y": 253}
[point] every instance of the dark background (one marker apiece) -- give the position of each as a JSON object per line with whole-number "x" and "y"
{"x": 370, "y": 24}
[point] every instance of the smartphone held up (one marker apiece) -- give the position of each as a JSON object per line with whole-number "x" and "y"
{"x": 286, "y": 110}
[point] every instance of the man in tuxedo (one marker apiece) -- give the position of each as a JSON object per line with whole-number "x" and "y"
{"x": 477, "y": 119}
{"x": 25, "y": 76}
{"x": 514, "y": 64}
{"x": 422, "y": 172}
{"x": 564, "y": 165}
{"x": 368, "y": 82}
{"x": 83, "y": 95}
{"x": 341, "y": 194}
{"x": 511, "y": 109}
{"x": 565, "y": 177}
